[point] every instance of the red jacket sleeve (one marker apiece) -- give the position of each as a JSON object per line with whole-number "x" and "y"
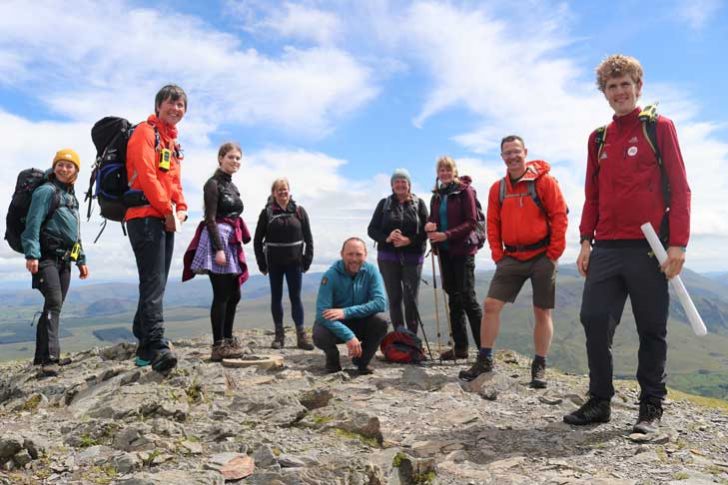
{"x": 494, "y": 223}
{"x": 142, "y": 155}
{"x": 590, "y": 211}
{"x": 679, "y": 190}
{"x": 553, "y": 200}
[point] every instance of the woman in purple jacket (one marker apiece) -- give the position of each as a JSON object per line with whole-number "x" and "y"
{"x": 451, "y": 223}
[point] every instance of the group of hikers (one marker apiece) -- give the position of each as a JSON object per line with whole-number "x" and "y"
{"x": 635, "y": 174}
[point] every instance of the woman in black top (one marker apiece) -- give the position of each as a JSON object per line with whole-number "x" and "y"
{"x": 398, "y": 227}
{"x": 218, "y": 250}
{"x": 284, "y": 247}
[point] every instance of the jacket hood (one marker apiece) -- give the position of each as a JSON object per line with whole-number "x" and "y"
{"x": 536, "y": 169}
{"x": 465, "y": 182}
{"x": 291, "y": 207}
{"x": 165, "y": 130}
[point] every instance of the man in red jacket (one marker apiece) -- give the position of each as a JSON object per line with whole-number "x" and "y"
{"x": 152, "y": 164}
{"x": 526, "y": 232}
{"x": 624, "y": 183}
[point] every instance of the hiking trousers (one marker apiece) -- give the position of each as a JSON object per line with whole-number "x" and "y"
{"x": 614, "y": 273}
{"x": 52, "y": 279}
{"x": 153, "y": 247}
{"x": 458, "y": 281}
{"x": 369, "y": 330}
{"x": 402, "y": 282}
{"x": 294, "y": 279}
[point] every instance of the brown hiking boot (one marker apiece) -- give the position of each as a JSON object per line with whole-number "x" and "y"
{"x": 232, "y": 349}
{"x": 217, "y": 351}
{"x": 538, "y": 375}
{"x": 481, "y": 366}
{"x": 454, "y": 354}
{"x": 302, "y": 341}
{"x": 279, "y": 341}
{"x": 50, "y": 369}
{"x": 649, "y": 418}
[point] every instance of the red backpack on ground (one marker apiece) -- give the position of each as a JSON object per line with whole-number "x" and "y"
{"x": 403, "y": 347}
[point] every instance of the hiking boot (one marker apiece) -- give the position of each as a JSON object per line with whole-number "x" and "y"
{"x": 49, "y": 369}
{"x": 232, "y": 349}
{"x": 217, "y": 351}
{"x": 481, "y": 366}
{"x": 360, "y": 371}
{"x": 333, "y": 364}
{"x": 279, "y": 340}
{"x": 593, "y": 411}
{"x": 64, "y": 361}
{"x": 164, "y": 360}
{"x": 538, "y": 375}
{"x": 649, "y": 418}
{"x": 454, "y": 354}
{"x": 302, "y": 341}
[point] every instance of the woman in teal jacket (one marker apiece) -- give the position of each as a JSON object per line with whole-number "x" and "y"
{"x": 51, "y": 242}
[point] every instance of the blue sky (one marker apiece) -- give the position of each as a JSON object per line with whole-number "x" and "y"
{"x": 337, "y": 94}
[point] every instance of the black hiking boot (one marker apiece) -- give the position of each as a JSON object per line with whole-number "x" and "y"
{"x": 593, "y": 411}
{"x": 165, "y": 360}
{"x": 49, "y": 369}
{"x": 481, "y": 366}
{"x": 649, "y": 418}
{"x": 538, "y": 375}
{"x": 454, "y": 354}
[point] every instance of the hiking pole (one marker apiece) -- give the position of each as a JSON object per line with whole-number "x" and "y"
{"x": 437, "y": 306}
{"x": 450, "y": 340}
{"x": 411, "y": 294}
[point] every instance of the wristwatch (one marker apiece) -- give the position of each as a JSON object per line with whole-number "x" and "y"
{"x": 585, "y": 238}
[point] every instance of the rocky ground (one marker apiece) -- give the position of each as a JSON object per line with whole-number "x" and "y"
{"x": 105, "y": 421}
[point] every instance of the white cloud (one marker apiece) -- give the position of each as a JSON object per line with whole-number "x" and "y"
{"x": 697, "y": 13}
{"x": 114, "y": 57}
{"x": 298, "y": 22}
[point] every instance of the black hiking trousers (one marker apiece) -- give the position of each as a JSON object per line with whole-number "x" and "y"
{"x": 615, "y": 272}
{"x": 52, "y": 279}
{"x": 369, "y": 330}
{"x": 153, "y": 247}
{"x": 458, "y": 280}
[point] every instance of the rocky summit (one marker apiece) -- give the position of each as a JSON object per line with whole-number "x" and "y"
{"x": 102, "y": 420}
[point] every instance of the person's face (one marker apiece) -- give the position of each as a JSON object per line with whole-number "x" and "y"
{"x": 281, "y": 194}
{"x": 446, "y": 174}
{"x": 64, "y": 171}
{"x": 400, "y": 187}
{"x": 171, "y": 112}
{"x": 230, "y": 162}
{"x": 514, "y": 154}
{"x": 354, "y": 254}
{"x": 622, "y": 93}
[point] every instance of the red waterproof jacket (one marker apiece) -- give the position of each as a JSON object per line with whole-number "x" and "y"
{"x": 520, "y": 222}
{"x": 161, "y": 188}
{"x": 623, "y": 188}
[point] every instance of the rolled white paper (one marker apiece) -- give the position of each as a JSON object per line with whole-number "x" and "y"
{"x": 682, "y": 293}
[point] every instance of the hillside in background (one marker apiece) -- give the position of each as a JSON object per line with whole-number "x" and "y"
{"x": 98, "y": 314}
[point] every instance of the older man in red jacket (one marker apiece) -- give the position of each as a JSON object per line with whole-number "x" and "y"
{"x": 629, "y": 182}
{"x": 526, "y": 232}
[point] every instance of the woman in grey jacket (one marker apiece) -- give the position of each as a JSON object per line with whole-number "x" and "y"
{"x": 51, "y": 242}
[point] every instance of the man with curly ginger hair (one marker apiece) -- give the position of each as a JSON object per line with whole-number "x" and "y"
{"x": 623, "y": 180}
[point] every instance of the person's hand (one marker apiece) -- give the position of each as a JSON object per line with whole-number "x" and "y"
{"x": 333, "y": 314}
{"x": 220, "y": 259}
{"x": 354, "y": 347}
{"x": 402, "y": 241}
{"x": 437, "y": 237}
{"x": 393, "y": 236}
{"x": 169, "y": 224}
{"x": 83, "y": 271}
{"x": 674, "y": 262}
{"x": 582, "y": 261}
{"x": 430, "y": 226}
{"x": 182, "y": 216}
{"x": 31, "y": 265}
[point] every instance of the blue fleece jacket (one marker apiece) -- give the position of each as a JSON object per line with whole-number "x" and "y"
{"x": 360, "y": 296}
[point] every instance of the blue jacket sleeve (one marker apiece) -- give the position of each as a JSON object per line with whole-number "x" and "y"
{"x": 324, "y": 301}
{"x": 376, "y": 298}
{"x": 40, "y": 204}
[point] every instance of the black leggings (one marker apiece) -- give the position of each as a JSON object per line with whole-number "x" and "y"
{"x": 225, "y": 298}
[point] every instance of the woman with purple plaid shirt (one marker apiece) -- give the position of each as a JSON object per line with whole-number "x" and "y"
{"x": 219, "y": 250}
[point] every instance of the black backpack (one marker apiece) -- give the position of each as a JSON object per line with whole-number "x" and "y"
{"x": 28, "y": 180}
{"x": 479, "y": 235}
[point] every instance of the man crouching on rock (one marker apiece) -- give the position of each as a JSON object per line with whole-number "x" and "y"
{"x": 349, "y": 300}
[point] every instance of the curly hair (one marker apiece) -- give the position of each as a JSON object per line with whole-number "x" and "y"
{"x": 618, "y": 65}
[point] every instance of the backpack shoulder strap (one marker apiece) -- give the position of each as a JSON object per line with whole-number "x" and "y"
{"x": 531, "y": 184}
{"x": 599, "y": 139}
{"x": 502, "y": 191}
{"x": 648, "y": 117}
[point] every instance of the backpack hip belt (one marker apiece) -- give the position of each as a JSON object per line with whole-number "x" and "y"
{"x": 283, "y": 245}
{"x": 529, "y": 247}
